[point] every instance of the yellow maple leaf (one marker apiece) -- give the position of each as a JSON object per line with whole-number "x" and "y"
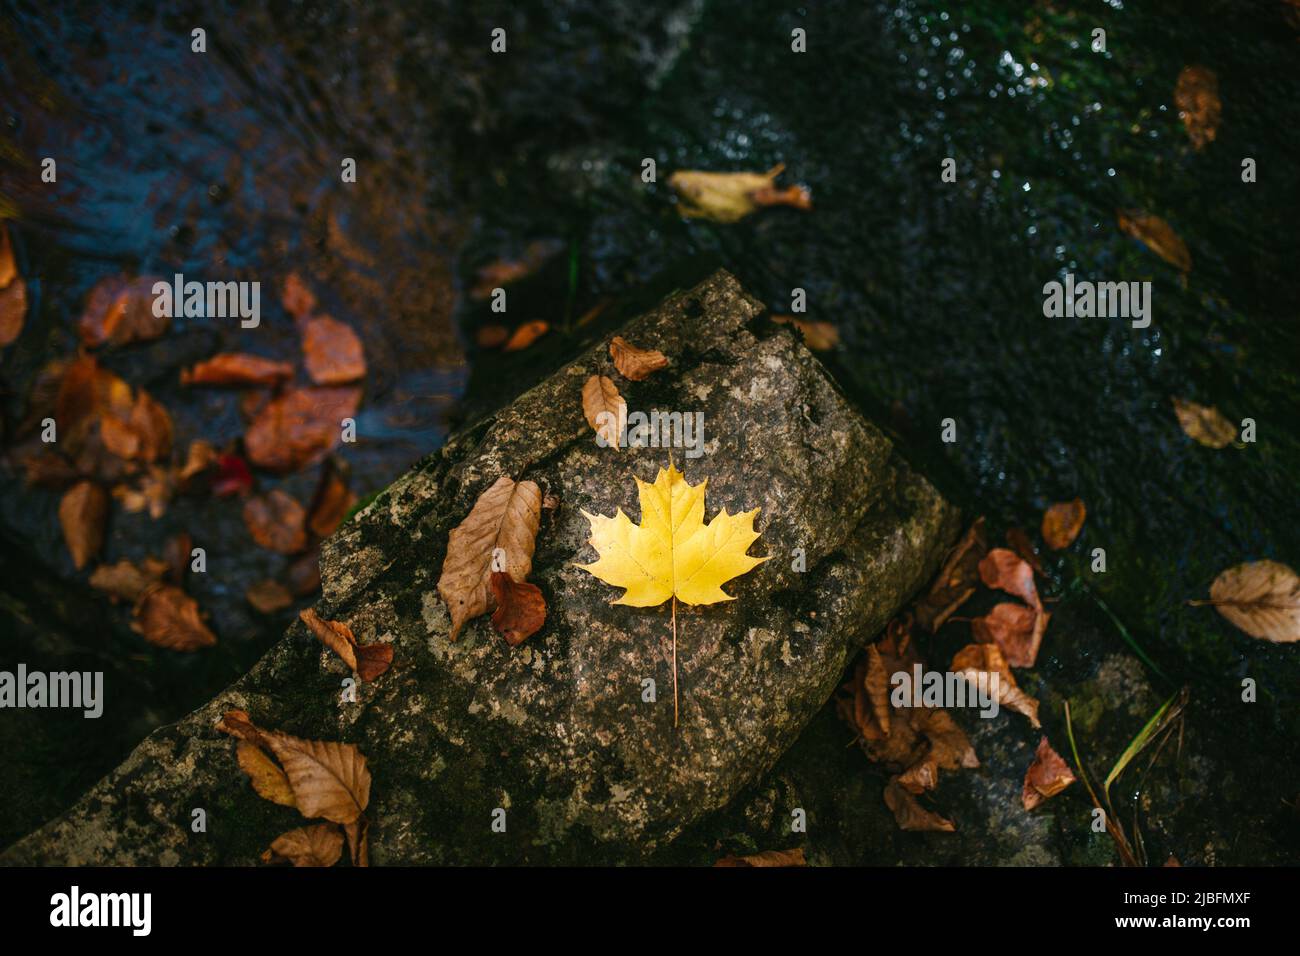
{"x": 672, "y": 553}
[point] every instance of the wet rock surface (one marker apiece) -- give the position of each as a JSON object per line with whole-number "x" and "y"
{"x": 556, "y": 732}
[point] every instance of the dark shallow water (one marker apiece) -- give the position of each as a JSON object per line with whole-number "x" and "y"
{"x": 225, "y": 165}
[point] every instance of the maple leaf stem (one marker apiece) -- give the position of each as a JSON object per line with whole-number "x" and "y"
{"x": 674, "y": 661}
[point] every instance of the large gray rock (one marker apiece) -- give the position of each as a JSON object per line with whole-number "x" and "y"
{"x": 556, "y": 731}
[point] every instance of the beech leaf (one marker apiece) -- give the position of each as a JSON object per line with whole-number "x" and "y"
{"x": 168, "y": 617}
{"x": 264, "y": 773}
{"x": 329, "y": 779}
{"x": 974, "y": 659}
{"x": 497, "y": 535}
{"x": 318, "y": 845}
{"x": 237, "y": 369}
{"x": 277, "y": 522}
{"x": 1007, "y": 571}
{"x": 82, "y": 513}
{"x": 635, "y": 363}
{"x": 1047, "y": 776}
{"x": 1261, "y": 598}
{"x": 604, "y": 408}
{"x": 332, "y": 353}
{"x": 1062, "y": 523}
{"x": 1204, "y": 424}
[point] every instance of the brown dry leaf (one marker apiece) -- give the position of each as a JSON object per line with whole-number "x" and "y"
{"x": 318, "y": 845}
{"x": 1007, "y": 571}
{"x": 120, "y": 310}
{"x": 153, "y": 491}
{"x": 1196, "y": 94}
{"x": 497, "y": 535}
{"x": 793, "y": 857}
{"x": 332, "y": 352}
{"x": 48, "y": 469}
{"x": 604, "y": 408}
{"x": 329, "y": 779}
{"x": 299, "y": 427}
{"x": 268, "y": 597}
{"x": 1047, "y": 776}
{"x": 956, "y": 581}
{"x": 152, "y": 426}
{"x": 335, "y": 635}
{"x": 176, "y": 556}
{"x": 504, "y": 271}
{"x": 1016, "y": 629}
{"x": 526, "y": 335}
{"x": 368, "y": 660}
{"x": 975, "y": 659}
{"x": 1261, "y": 598}
{"x": 1158, "y": 236}
{"x": 521, "y": 608}
{"x": 264, "y": 773}
{"x": 1204, "y": 424}
{"x": 729, "y": 197}
{"x": 296, "y": 298}
{"x": 1022, "y": 546}
{"x": 331, "y": 501}
{"x": 819, "y": 336}
{"x": 277, "y": 522}
{"x": 200, "y": 457}
{"x": 1062, "y": 523}
{"x": 358, "y": 834}
{"x": 168, "y": 617}
{"x": 83, "y": 512}
{"x": 237, "y": 369}
{"x": 491, "y": 336}
{"x": 303, "y": 576}
{"x": 635, "y": 363}
{"x": 13, "y": 311}
{"x": 239, "y": 725}
{"x": 910, "y": 815}
{"x": 8, "y": 267}
{"x": 125, "y": 580}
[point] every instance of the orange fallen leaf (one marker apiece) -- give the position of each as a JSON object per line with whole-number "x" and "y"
{"x": 299, "y": 427}
{"x": 331, "y": 501}
{"x": 120, "y": 310}
{"x": 1047, "y": 776}
{"x": 264, "y": 774}
{"x": 797, "y": 197}
{"x": 1062, "y": 523}
{"x": 521, "y": 608}
{"x": 1204, "y": 424}
{"x": 83, "y": 512}
{"x": 1196, "y": 94}
{"x": 491, "y": 336}
{"x": 237, "y": 369}
{"x": 1261, "y": 598}
{"x": 13, "y": 292}
{"x": 296, "y": 298}
{"x": 368, "y": 660}
{"x": 635, "y": 363}
{"x": 504, "y": 271}
{"x": 1158, "y": 236}
{"x": 318, "y": 845}
{"x": 268, "y": 597}
{"x": 526, "y": 335}
{"x": 329, "y": 779}
{"x": 498, "y": 534}
{"x": 153, "y": 491}
{"x": 126, "y": 580}
{"x": 976, "y": 659}
{"x": 277, "y": 522}
{"x": 168, "y": 617}
{"x": 1016, "y": 629}
{"x": 604, "y": 408}
{"x": 910, "y": 815}
{"x": 729, "y": 197}
{"x": 1022, "y": 546}
{"x": 793, "y": 857}
{"x": 818, "y": 335}
{"x": 1007, "y": 571}
{"x": 358, "y": 834}
{"x": 8, "y": 265}
{"x": 957, "y": 579}
{"x": 332, "y": 352}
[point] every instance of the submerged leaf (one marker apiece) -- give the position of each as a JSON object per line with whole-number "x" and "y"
{"x": 1047, "y": 776}
{"x": 1158, "y": 236}
{"x": 300, "y": 427}
{"x": 1063, "y": 522}
{"x": 277, "y": 522}
{"x": 237, "y": 369}
{"x": 331, "y": 351}
{"x": 82, "y": 513}
{"x": 1204, "y": 424}
{"x": 1196, "y": 95}
{"x": 729, "y": 197}
{"x": 168, "y": 617}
